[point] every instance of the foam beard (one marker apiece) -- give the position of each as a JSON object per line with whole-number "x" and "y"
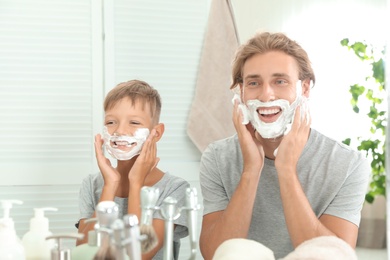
{"x": 133, "y": 143}
{"x": 283, "y": 124}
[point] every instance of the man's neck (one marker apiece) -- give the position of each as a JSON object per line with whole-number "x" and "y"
{"x": 269, "y": 145}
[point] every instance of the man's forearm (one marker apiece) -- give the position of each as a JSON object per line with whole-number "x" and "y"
{"x": 301, "y": 221}
{"x": 235, "y": 221}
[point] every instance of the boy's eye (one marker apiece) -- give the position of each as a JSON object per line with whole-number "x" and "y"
{"x": 109, "y": 123}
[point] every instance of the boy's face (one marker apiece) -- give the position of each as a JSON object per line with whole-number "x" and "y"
{"x": 124, "y": 118}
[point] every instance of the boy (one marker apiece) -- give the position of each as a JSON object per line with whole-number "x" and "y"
{"x": 132, "y": 110}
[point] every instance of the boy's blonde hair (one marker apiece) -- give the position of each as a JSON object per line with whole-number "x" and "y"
{"x": 136, "y": 91}
{"x": 264, "y": 42}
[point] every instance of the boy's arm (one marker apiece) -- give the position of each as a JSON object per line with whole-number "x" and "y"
{"x": 144, "y": 165}
{"x": 159, "y": 227}
{"x": 111, "y": 183}
{"x": 108, "y": 194}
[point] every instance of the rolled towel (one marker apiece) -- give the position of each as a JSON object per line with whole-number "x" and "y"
{"x": 323, "y": 248}
{"x": 240, "y": 248}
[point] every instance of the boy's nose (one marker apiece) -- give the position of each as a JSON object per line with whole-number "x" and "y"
{"x": 120, "y": 130}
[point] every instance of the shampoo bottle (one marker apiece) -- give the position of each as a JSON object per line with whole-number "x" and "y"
{"x": 11, "y": 247}
{"x": 35, "y": 245}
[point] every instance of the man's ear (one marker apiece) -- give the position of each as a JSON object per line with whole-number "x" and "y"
{"x": 306, "y": 86}
{"x": 160, "y": 128}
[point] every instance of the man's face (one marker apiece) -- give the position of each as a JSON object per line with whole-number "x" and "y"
{"x": 268, "y": 77}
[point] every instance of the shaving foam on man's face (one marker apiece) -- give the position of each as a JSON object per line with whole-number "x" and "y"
{"x": 286, "y": 111}
{"x": 125, "y": 147}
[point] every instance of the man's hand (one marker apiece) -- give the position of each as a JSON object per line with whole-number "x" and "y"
{"x": 252, "y": 150}
{"x": 292, "y": 145}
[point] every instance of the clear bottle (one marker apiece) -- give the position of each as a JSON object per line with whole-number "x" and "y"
{"x": 88, "y": 250}
{"x": 35, "y": 245}
{"x": 11, "y": 247}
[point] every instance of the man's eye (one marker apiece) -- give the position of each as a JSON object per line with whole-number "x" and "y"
{"x": 109, "y": 123}
{"x": 134, "y": 122}
{"x": 252, "y": 84}
{"x": 281, "y": 82}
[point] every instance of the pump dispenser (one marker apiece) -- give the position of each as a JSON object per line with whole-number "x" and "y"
{"x": 34, "y": 241}
{"x": 11, "y": 247}
{"x": 59, "y": 252}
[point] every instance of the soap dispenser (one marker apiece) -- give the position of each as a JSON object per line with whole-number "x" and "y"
{"x": 59, "y": 252}
{"x": 11, "y": 247}
{"x": 34, "y": 241}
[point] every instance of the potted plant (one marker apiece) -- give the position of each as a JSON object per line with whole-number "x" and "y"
{"x": 372, "y": 97}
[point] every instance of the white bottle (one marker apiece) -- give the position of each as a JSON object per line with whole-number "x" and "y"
{"x": 34, "y": 241}
{"x": 11, "y": 247}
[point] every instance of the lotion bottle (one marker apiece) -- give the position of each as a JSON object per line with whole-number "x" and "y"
{"x": 35, "y": 245}
{"x": 11, "y": 247}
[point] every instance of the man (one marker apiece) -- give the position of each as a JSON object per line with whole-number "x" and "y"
{"x": 278, "y": 181}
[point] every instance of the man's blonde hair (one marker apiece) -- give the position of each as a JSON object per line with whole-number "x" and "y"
{"x": 264, "y": 42}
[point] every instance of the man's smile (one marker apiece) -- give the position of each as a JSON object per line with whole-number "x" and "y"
{"x": 269, "y": 114}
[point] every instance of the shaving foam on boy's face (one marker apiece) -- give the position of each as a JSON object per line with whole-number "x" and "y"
{"x": 125, "y": 147}
{"x": 281, "y": 125}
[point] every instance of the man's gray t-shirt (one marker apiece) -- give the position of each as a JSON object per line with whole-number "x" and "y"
{"x": 332, "y": 175}
{"x": 169, "y": 186}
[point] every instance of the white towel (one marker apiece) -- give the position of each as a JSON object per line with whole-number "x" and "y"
{"x": 319, "y": 248}
{"x": 240, "y": 248}
{"x": 323, "y": 248}
{"x": 210, "y": 117}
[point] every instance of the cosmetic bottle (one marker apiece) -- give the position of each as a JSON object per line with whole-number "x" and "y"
{"x": 88, "y": 250}
{"x": 36, "y": 247}
{"x": 60, "y": 252}
{"x": 11, "y": 247}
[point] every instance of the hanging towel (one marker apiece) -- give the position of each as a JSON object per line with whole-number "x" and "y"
{"x": 210, "y": 116}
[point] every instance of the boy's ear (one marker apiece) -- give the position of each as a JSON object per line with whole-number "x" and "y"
{"x": 160, "y": 128}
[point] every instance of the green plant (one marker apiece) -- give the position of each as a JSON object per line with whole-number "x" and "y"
{"x": 373, "y": 95}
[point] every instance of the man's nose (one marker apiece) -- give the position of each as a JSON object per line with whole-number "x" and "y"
{"x": 266, "y": 93}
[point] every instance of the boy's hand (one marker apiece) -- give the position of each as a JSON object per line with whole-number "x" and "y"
{"x": 145, "y": 162}
{"x": 110, "y": 175}
{"x": 252, "y": 151}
